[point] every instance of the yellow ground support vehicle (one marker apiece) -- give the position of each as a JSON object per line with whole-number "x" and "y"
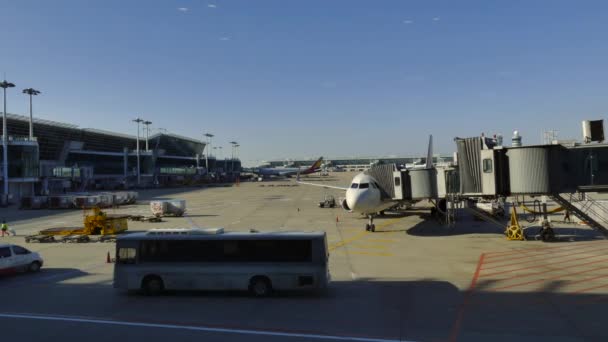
{"x": 96, "y": 223}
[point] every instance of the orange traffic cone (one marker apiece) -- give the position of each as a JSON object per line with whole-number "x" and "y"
{"x": 108, "y": 260}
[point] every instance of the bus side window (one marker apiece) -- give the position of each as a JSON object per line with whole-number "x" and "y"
{"x": 231, "y": 250}
{"x": 126, "y": 256}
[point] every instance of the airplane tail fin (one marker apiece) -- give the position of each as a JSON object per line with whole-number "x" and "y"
{"x": 429, "y": 154}
{"x": 316, "y": 165}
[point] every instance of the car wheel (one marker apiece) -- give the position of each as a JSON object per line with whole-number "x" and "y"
{"x": 153, "y": 286}
{"x": 34, "y": 267}
{"x": 260, "y": 287}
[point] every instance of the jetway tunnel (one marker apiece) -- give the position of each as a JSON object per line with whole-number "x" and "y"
{"x": 487, "y": 170}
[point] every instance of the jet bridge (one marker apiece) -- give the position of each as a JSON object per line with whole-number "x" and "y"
{"x": 487, "y": 170}
{"x": 405, "y": 185}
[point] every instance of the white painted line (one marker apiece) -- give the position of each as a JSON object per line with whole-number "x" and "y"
{"x": 353, "y": 275}
{"x": 189, "y": 219}
{"x": 193, "y": 328}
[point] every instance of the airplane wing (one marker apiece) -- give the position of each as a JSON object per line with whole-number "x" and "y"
{"x": 323, "y": 185}
{"x": 287, "y": 173}
{"x": 320, "y": 185}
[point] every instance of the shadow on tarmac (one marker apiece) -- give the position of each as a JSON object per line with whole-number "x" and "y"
{"x": 425, "y": 310}
{"x": 431, "y": 227}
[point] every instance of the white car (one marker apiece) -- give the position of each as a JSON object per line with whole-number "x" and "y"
{"x": 15, "y": 259}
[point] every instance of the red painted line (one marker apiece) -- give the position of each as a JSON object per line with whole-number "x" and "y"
{"x": 460, "y": 316}
{"x": 551, "y": 270}
{"x": 553, "y": 263}
{"x": 592, "y": 288}
{"x": 587, "y": 279}
{"x": 535, "y": 260}
{"x": 497, "y": 304}
{"x": 552, "y": 251}
{"x": 516, "y": 251}
{"x": 552, "y": 278}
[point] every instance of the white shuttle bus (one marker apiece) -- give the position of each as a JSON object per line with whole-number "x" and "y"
{"x": 210, "y": 259}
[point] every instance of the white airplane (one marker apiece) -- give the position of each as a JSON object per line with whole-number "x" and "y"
{"x": 364, "y": 195}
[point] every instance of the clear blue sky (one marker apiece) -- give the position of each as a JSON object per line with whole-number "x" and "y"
{"x": 293, "y": 78}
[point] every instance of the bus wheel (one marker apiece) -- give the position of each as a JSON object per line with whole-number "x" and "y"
{"x": 260, "y": 286}
{"x": 152, "y": 285}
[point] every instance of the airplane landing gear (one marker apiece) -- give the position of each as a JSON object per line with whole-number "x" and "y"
{"x": 370, "y": 227}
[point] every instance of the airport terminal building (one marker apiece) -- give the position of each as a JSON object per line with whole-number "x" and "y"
{"x": 63, "y": 157}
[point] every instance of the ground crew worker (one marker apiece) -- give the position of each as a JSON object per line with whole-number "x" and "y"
{"x": 567, "y": 216}
{"x": 4, "y": 228}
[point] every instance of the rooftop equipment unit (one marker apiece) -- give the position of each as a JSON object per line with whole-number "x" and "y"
{"x": 516, "y": 139}
{"x": 593, "y": 130}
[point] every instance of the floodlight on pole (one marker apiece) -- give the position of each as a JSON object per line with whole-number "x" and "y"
{"x": 31, "y": 92}
{"x": 233, "y": 143}
{"x": 138, "y": 121}
{"x": 4, "y": 85}
{"x": 147, "y": 124}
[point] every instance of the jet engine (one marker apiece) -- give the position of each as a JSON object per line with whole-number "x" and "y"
{"x": 344, "y": 205}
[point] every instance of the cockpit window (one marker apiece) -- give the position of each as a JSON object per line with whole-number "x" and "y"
{"x": 354, "y": 186}
{"x": 363, "y": 185}
{"x": 374, "y": 185}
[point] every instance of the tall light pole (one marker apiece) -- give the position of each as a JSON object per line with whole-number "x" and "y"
{"x": 4, "y": 84}
{"x": 138, "y": 121}
{"x": 233, "y": 143}
{"x": 236, "y": 149}
{"x": 31, "y": 92}
{"x": 208, "y": 147}
{"x": 147, "y": 124}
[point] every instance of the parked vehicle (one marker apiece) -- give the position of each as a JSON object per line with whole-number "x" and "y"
{"x": 328, "y": 202}
{"x": 16, "y": 259}
{"x": 209, "y": 259}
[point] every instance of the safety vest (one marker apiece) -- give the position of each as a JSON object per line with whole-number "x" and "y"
{"x": 4, "y": 226}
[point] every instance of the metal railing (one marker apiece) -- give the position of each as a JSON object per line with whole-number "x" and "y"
{"x": 586, "y": 209}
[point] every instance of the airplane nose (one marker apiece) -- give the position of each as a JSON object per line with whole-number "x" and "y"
{"x": 356, "y": 200}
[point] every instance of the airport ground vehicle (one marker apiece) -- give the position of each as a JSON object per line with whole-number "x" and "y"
{"x": 97, "y": 223}
{"x": 14, "y": 259}
{"x": 328, "y": 202}
{"x": 209, "y": 259}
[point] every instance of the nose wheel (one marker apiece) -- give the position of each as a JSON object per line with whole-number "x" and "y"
{"x": 370, "y": 227}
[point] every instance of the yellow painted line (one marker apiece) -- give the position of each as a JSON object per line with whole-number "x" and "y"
{"x": 382, "y": 240}
{"x": 344, "y": 242}
{"x": 363, "y": 234}
{"x": 371, "y": 253}
{"x": 364, "y": 246}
